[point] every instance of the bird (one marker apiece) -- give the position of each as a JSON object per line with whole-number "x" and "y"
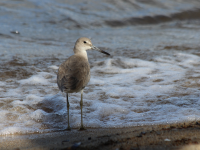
{"x": 74, "y": 73}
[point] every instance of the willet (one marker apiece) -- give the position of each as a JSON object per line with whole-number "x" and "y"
{"x": 74, "y": 74}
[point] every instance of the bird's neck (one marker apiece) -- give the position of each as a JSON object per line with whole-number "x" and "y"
{"x": 81, "y": 53}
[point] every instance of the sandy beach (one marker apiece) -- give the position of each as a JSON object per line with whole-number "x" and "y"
{"x": 182, "y": 136}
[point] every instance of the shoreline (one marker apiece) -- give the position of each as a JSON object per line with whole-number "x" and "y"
{"x": 183, "y": 136}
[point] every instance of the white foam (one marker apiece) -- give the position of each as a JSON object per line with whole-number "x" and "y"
{"x": 39, "y": 79}
{"x": 38, "y": 114}
{"x": 126, "y": 79}
{"x": 122, "y": 92}
{"x": 2, "y": 83}
{"x": 54, "y": 67}
{"x": 12, "y": 130}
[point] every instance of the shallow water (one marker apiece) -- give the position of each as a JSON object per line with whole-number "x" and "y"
{"x": 152, "y": 77}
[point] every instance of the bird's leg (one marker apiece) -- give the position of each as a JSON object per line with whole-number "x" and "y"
{"x": 81, "y": 105}
{"x": 68, "y": 128}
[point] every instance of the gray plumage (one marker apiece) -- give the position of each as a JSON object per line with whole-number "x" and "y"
{"x": 74, "y": 74}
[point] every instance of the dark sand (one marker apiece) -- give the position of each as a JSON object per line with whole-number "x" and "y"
{"x": 182, "y": 136}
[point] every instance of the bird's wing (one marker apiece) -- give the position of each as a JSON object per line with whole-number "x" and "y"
{"x": 73, "y": 74}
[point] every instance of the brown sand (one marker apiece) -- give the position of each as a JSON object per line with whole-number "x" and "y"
{"x": 182, "y": 136}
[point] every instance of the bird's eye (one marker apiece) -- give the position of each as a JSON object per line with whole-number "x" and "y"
{"x": 84, "y": 42}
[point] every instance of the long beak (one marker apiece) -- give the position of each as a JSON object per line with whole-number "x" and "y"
{"x": 95, "y": 48}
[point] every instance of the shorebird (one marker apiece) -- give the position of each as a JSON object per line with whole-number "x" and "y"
{"x": 74, "y": 74}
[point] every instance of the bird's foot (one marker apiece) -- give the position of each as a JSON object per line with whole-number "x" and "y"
{"x": 68, "y": 128}
{"x": 82, "y": 128}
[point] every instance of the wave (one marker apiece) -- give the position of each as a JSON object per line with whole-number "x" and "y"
{"x": 146, "y": 20}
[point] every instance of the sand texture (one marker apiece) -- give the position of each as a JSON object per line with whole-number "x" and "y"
{"x": 183, "y": 136}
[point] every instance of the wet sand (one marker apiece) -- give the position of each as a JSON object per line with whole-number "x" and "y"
{"x": 182, "y": 136}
